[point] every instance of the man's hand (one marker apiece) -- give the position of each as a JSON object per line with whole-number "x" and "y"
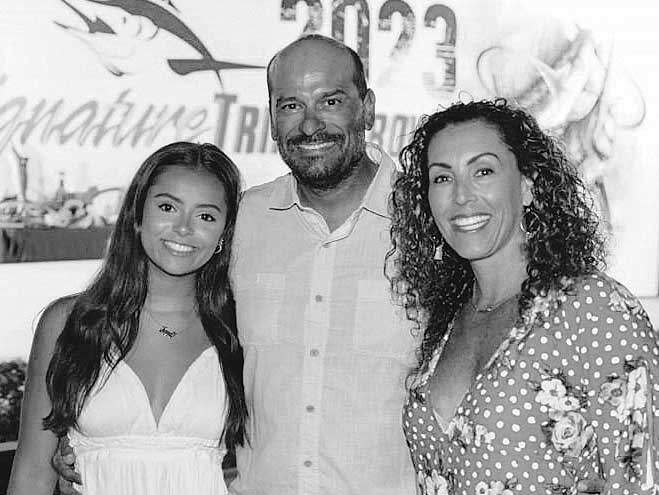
{"x": 64, "y": 464}
{"x": 596, "y": 485}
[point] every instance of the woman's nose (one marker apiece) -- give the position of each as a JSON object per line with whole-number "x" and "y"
{"x": 464, "y": 191}
{"x": 183, "y": 226}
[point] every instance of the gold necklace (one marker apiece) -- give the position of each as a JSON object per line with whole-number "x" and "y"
{"x": 165, "y": 330}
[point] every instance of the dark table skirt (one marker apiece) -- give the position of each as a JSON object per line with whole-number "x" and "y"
{"x": 52, "y": 244}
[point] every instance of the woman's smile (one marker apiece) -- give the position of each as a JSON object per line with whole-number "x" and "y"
{"x": 470, "y": 223}
{"x": 178, "y": 249}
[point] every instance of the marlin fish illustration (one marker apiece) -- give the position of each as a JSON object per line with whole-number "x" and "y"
{"x": 159, "y": 16}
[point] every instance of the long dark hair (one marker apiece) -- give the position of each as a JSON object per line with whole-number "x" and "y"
{"x": 563, "y": 240}
{"x": 104, "y": 319}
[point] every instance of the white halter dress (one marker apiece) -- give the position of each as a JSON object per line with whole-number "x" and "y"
{"x": 120, "y": 450}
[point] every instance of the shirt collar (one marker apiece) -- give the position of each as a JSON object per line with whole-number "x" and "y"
{"x": 376, "y": 199}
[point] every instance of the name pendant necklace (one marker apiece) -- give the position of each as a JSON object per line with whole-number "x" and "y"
{"x": 164, "y": 330}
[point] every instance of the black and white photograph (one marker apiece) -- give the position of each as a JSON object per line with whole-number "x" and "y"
{"x": 329, "y": 247}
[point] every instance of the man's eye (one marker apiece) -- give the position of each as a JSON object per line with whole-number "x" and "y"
{"x": 289, "y": 107}
{"x": 330, "y": 102}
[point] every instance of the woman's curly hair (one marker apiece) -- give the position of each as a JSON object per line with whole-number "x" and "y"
{"x": 563, "y": 239}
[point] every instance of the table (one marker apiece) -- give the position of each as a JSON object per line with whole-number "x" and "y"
{"x": 19, "y": 244}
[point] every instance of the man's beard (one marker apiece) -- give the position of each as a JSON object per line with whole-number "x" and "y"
{"x": 323, "y": 171}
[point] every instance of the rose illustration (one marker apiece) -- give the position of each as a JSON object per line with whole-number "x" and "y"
{"x": 482, "y": 436}
{"x": 433, "y": 484}
{"x": 613, "y": 391}
{"x": 551, "y": 391}
{"x": 467, "y": 434}
{"x": 567, "y": 403}
{"x": 571, "y": 434}
{"x": 494, "y": 488}
{"x": 456, "y": 426}
{"x": 637, "y": 388}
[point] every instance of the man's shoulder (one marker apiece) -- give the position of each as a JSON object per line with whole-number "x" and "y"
{"x": 376, "y": 153}
{"x": 264, "y": 194}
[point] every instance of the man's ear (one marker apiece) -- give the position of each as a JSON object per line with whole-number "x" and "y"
{"x": 273, "y": 127}
{"x": 369, "y": 109}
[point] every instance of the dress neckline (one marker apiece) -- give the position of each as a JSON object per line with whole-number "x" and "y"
{"x": 145, "y": 394}
{"x": 443, "y": 423}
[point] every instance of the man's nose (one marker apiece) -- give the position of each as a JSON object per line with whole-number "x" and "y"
{"x": 311, "y": 123}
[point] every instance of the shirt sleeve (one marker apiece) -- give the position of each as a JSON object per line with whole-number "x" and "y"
{"x": 618, "y": 351}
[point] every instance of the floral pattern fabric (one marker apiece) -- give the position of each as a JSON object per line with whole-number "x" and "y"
{"x": 572, "y": 394}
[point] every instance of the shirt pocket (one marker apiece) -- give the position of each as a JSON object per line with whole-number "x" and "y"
{"x": 259, "y": 298}
{"x": 380, "y": 327}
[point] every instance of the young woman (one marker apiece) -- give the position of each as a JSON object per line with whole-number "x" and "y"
{"x": 143, "y": 370}
{"x": 538, "y": 373}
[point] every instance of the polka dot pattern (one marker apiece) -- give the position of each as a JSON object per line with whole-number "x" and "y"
{"x": 573, "y": 398}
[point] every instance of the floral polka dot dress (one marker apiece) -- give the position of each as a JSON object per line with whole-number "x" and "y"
{"x": 572, "y": 394}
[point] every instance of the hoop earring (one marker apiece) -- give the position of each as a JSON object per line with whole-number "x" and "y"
{"x": 528, "y": 225}
{"x": 439, "y": 251}
{"x": 219, "y": 247}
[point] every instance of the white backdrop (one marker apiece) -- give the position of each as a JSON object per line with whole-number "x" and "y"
{"x": 91, "y": 87}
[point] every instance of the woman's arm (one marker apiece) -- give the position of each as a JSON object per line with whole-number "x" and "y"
{"x": 619, "y": 351}
{"x": 31, "y": 472}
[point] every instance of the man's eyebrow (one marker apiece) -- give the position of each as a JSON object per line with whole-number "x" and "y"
{"x": 324, "y": 94}
{"x": 281, "y": 99}
{"x": 337, "y": 91}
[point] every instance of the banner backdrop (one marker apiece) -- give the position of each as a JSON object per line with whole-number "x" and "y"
{"x": 88, "y": 88}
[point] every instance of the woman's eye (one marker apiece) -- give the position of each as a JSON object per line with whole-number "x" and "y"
{"x": 207, "y": 217}
{"x": 441, "y": 179}
{"x": 166, "y": 207}
{"x": 484, "y": 171}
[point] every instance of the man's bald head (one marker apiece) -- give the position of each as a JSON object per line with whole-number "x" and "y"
{"x": 359, "y": 78}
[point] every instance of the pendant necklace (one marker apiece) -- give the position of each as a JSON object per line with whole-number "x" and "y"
{"x": 488, "y": 309}
{"x": 164, "y": 330}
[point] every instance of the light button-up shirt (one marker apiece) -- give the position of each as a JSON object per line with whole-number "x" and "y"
{"x": 326, "y": 350}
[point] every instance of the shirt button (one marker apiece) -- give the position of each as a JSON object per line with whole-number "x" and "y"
{"x": 310, "y": 409}
{"x": 314, "y": 352}
{"x": 318, "y": 298}
{"x": 307, "y": 463}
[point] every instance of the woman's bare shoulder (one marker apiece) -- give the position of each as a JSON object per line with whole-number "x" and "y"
{"x": 51, "y": 322}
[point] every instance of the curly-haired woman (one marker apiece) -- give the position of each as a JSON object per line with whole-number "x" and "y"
{"x": 537, "y": 372}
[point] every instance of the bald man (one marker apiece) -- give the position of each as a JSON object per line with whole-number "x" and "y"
{"x": 326, "y": 351}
